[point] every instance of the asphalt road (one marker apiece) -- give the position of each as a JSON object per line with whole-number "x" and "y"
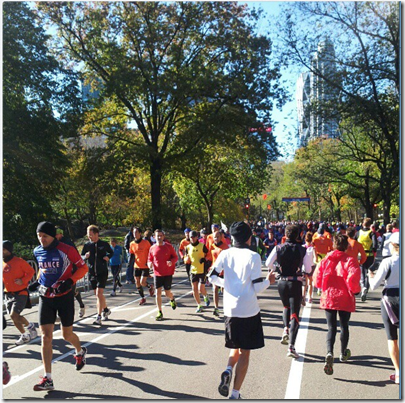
{"x": 134, "y": 357}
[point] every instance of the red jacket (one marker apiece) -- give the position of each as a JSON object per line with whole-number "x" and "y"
{"x": 338, "y": 275}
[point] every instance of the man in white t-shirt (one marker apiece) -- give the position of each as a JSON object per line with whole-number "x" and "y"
{"x": 242, "y": 282}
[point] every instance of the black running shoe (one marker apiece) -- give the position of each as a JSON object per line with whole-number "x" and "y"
{"x": 81, "y": 359}
{"x": 45, "y": 384}
{"x": 223, "y": 387}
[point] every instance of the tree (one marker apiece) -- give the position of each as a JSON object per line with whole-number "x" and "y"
{"x": 161, "y": 64}
{"x": 366, "y": 80}
{"x": 35, "y": 91}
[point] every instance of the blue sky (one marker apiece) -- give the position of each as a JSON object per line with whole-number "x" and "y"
{"x": 286, "y": 119}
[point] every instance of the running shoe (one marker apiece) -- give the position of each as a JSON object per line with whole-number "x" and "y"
{"x": 45, "y": 384}
{"x": 112, "y": 294}
{"x": 240, "y": 397}
{"x": 223, "y": 387}
{"x": 364, "y": 295}
{"x": 142, "y": 301}
{"x": 81, "y": 359}
{"x": 24, "y": 339}
{"x": 97, "y": 321}
{"x": 152, "y": 290}
{"x": 303, "y": 303}
{"x": 173, "y": 304}
{"x": 394, "y": 378}
{"x": 120, "y": 289}
{"x": 7, "y": 375}
{"x": 292, "y": 353}
{"x": 328, "y": 367}
{"x": 106, "y": 314}
{"x": 199, "y": 309}
{"x": 159, "y": 316}
{"x": 216, "y": 312}
{"x": 82, "y": 312}
{"x": 344, "y": 357}
{"x": 285, "y": 337}
{"x": 207, "y": 301}
{"x": 33, "y": 332}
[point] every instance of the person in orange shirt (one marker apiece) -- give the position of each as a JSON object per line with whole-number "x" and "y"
{"x": 182, "y": 250}
{"x": 216, "y": 248}
{"x": 139, "y": 247}
{"x": 210, "y": 241}
{"x": 17, "y": 273}
{"x": 322, "y": 243}
{"x": 355, "y": 248}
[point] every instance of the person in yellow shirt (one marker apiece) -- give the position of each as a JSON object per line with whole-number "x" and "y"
{"x": 196, "y": 252}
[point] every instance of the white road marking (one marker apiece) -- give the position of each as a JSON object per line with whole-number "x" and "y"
{"x": 17, "y": 378}
{"x": 297, "y": 365}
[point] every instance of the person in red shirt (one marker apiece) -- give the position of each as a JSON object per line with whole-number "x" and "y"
{"x": 162, "y": 259}
{"x": 216, "y": 248}
{"x": 355, "y": 248}
{"x": 338, "y": 275}
{"x": 17, "y": 273}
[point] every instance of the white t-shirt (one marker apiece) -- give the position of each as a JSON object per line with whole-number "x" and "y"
{"x": 393, "y": 280}
{"x": 241, "y": 268}
{"x": 308, "y": 261}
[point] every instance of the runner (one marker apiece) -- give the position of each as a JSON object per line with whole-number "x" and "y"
{"x": 17, "y": 274}
{"x": 355, "y": 248}
{"x": 338, "y": 275}
{"x": 308, "y": 268}
{"x": 129, "y": 237}
{"x": 216, "y": 248}
{"x": 389, "y": 272}
{"x": 370, "y": 244}
{"x": 162, "y": 259}
{"x": 61, "y": 238}
{"x": 55, "y": 282}
{"x": 182, "y": 250}
{"x": 139, "y": 250}
{"x": 197, "y": 252}
{"x": 243, "y": 326}
{"x": 116, "y": 265}
{"x": 289, "y": 257}
{"x": 98, "y": 253}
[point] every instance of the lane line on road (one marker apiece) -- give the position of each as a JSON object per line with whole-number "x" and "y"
{"x": 297, "y": 365}
{"x": 17, "y": 378}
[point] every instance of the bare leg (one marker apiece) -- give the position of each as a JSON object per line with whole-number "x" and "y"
{"x": 71, "y": 337}
{"x": 169, "y": 294}
{"x": 216, "y": 296}
{"x": 203, "y": 291}
{"x": 101, "y": 302}
{"x": 159, "y": 298}
{"x": 241, "y": 368}
{"x": 19, "y": 321}
{"x": 46, "y": 346}
{"x": 196, "y": 293}
{"x": 394, "y": 354}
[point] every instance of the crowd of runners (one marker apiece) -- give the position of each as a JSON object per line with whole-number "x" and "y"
{"x": 335, "y": 260}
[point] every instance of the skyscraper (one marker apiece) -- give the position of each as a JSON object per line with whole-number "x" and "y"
{"x": 315, "y": 96}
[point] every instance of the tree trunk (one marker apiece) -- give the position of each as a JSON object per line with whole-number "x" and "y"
{"x": 156, "y": 189}
{"x": 69, "y": 225}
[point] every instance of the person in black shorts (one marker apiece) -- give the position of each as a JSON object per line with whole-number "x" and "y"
{"x": 55, "y": 285}
{"x": 98, "y": 253}
{"x": 243, "y": 326}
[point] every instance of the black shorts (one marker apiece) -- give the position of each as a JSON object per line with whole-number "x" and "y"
{"x": 141, "y": 272}
{"x": 64, "y": 306}
{"x": 163, "y": 281}
{"x": 15, "y": 302}
{"x": 98, "y": 281}
{"x": 195, "y": 278}
{"x": 390, "y": 329}
{"x": 244, "y": 333}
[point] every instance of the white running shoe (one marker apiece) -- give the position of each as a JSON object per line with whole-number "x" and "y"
{"x": 106, "y": 314}
{"x": 121, "y": 288}
{"x": 82, "y": 312}
{"x": 24, "y": 339}
{"x": 113, "y": 294}
{"x": 292, "y": 353}
{"x": 33, "y": 332}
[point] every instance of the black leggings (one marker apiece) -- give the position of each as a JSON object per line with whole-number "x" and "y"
{"x": 291, "y": 296}
{"x": 331, "y": 319}
{"x": 116, "y": 271}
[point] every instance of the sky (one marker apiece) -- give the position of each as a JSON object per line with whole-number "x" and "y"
{"x": 287, "y": 117}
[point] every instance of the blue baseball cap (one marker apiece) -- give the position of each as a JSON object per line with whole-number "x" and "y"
{"x": 187, "y": 230}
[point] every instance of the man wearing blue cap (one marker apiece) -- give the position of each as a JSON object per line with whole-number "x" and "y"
{"x": 182, "y": 250}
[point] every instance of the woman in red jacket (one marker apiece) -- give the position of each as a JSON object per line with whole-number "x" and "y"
{"x": 338, "y": 275}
